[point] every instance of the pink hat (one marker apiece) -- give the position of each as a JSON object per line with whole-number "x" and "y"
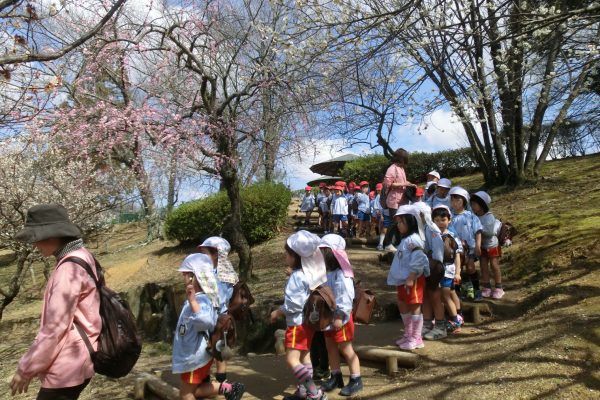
{"x": 379, "y": 186}
{"x": 364, "y": 183}
{"x": 322, "y": 184}
{"x": 308, "y": 188}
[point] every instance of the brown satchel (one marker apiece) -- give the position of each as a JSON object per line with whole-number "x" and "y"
{"x": 222, "y": 338}
{"x": 319, "y": 308}
{"x": 363, "y": 304}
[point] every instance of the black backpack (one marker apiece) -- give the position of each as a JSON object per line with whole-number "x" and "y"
{"x": 119, "y": 345}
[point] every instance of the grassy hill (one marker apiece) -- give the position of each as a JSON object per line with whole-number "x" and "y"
{"x": 545, "y": 341}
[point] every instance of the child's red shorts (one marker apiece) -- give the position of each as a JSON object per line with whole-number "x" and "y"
{"x": 197, "y": 376}
{"x": 346, "y": 334}
{"x": 414, "y": 295}
{"x": 298, "y": 337}
{"x": 491, "y": 252}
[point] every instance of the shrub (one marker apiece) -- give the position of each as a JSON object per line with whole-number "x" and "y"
{"x": 449, "y": 163}
{"x": 264, "y": 209}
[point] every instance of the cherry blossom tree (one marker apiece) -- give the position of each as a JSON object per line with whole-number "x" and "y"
{"x": 33, "y": 171}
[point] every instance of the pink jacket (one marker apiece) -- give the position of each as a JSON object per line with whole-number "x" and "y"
{"x": 394, "y": 174}
{"x": 58, "y": 356}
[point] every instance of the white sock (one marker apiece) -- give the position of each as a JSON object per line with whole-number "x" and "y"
{"x": 381, "y": 237}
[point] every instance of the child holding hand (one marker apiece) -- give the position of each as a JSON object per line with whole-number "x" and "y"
{"x": 197, "y": 319}
{"x": 306, "y": 268}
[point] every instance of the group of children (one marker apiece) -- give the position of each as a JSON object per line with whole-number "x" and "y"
{"x": 441, "y": 234}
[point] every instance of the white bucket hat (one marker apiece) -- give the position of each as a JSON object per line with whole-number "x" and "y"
{"x": 337, "y": 244}
{"x": 484, "y": 196}
{"x": 225, "y": 271}
{"x": 201, "y": 266}
{"x": 306, "y": 245}
{"x": 445, "y": 183}
{"x": 434, "y": 173}
{"x": 458, "y": 191}
{"x": 415, "y": 211}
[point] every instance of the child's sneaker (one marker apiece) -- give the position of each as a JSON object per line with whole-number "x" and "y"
{"x": 435, "y": 334}
{"x": 335, "y": 381}
{"x": 319, "y": 396}
{"x": 427, "y": 327}
{"x": 486, "y": 292}
{"x": 452, "y": 327}
{"x": 461, "y": 320}
{"x": 497, "y": 293}
{"x": 236, "y": 392}
{"x": 352, "y": 387}
{"x": 379, "y": 247}
{"x": 478, "y": 296}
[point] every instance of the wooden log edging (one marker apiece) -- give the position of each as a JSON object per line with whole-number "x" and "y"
{"x": 145, "y": 383}
{"x": 389, "y": 355}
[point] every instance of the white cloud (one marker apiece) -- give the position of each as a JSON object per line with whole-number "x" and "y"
{"x": 441, "y": 131}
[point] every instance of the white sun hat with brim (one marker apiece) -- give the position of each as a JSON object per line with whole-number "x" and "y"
{"x": 445, "y": 183}
{"x": 415, "y": 212}
{"x": 442, "y": 206}
{"x": 434, "y": 173}
{"x": 306, "y": 245}
{"x": 483, "y": 196}
{"x": 201, "y": 266}
{"x": 337, "y": 244}
{"x": 459, "y": 191}
{"x": 225, "y": 271}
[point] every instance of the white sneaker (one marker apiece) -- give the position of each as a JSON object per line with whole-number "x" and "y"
{"x": 391, "y": 248}
{"x": 379, "y": 247}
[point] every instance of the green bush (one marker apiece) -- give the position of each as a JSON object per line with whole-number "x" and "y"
{"x": 449, "y": 163}
{"x": 264, "y": 209}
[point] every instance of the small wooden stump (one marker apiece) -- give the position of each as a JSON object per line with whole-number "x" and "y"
{"x": 149, "y": 383}
{"x": 475, "y": 311}
{"x": 390, "y": 356}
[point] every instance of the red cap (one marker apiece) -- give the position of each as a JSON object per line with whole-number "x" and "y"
{"x": 372, "y": 195}
{"x": 364, "y": 183}
{"x": 351, "y": 185}
{"x": 340, "y": 183}
{"x": 420, "y": 191}
{"x": 379, "y": 186}
{"x": 337, "y": 187}
{"x": 322, "y": 185}
{"x": 307, "y": 188}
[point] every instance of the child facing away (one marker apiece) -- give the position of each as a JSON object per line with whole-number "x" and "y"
{"x": 468, "y": 228}
{"x": 340, "y": 278}
{"x": 218, "y": 249}
{"x": 442, "y": 218}
{"x": 198, "y": 317}
{"x": 434, "y": 315}
{"x": 441, "y": 196}
{"x": 307, "y": 204}
{"x": 490, "y": 246}
{"x": 409, "y": 268}
{"x": 325, "y": 212}
{"x": 339, "y": 211}
{"x": 364, "y": 213}
{"x": 306, "y": 269}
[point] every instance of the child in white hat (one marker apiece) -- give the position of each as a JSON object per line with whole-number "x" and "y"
{"x": 408, "y": 271}
{"x": 306, "y": 268}
{"x": 340, "y": 278}
{"x": 441, "y": 194}
{"x": 491, "y": 251}
{"x": 218, "y": 249}
{"x": 468, "y": 227}
{"x": 196, "y": 320}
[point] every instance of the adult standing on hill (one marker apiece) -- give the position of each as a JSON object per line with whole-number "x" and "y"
{"x": 58, "y": 355}
{"x": 395, "y": 184}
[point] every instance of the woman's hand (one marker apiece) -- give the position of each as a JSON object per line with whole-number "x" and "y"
{"x": 19, "y": 384}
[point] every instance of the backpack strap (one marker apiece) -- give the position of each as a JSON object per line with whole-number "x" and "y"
{"x": 82, "y": 263}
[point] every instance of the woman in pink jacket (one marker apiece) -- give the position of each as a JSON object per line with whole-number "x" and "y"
{"x": 58, "y": 355}
{"x": 395, "y": 183}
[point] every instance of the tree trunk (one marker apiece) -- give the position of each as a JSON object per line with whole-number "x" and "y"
{"x": 271, "y": 135}
{"x": 15, "y": 282}
{"x": 171, "y": 196}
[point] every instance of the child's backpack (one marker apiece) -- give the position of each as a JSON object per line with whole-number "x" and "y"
{"x": 449, "y": 248}
{"x": 222, "y": 338}
{"x": 119, "y": 345}
{"x": 506, "y": 234}
{"x": 319, "y": 308}
{"x": 240, "y": 302}
{"x": 363, "y": 304}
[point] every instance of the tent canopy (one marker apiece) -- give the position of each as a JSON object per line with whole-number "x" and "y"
{"x": 329, "y": 180}
{"x": 333, "y": 166}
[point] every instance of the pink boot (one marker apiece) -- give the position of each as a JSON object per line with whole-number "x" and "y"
{"x": 406, "y": 320}
{"x": 414, "y": 341}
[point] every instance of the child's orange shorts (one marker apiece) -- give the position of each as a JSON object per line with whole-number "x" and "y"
{"x": 414, "y": 295}
{"x": 197, "y": 376}
{"x": 491, "y": 252}
{"x": 298, "y": 337}
{"x": 346, "y": 334}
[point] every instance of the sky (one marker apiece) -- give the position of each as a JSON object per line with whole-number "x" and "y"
{"x": 439, "y": 131}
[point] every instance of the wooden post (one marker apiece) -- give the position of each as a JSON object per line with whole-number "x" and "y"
{"x": 389, "y": 355}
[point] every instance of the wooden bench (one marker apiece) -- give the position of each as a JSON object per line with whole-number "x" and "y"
{"x": 389, "y": 355}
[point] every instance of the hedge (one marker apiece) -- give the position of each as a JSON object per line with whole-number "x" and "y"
{"x": 264, "y": 209}
{"x": 449, "y": 163}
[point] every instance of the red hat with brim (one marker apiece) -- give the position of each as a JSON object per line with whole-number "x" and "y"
{"x": 420, "y": 191}
{"x": 308, "y": 188}
{"x": 338, "y": 187}
{"x": 364, "y": 183}
{"x": 379, "y": 186}
{"x": 322, "y": 184}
